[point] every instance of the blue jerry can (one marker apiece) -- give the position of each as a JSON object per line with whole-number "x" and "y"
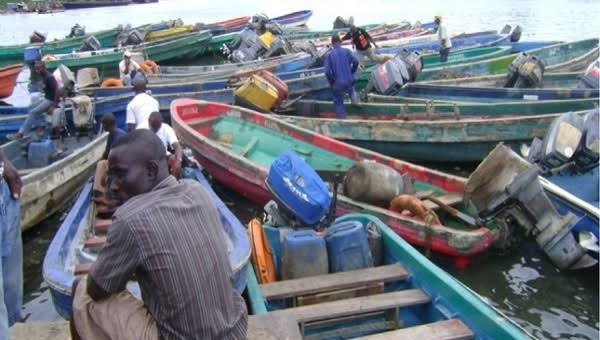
{"x": 304, "y": 254}
{"x": 348, "y": 247}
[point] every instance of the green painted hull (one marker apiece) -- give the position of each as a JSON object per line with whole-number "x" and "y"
{"x": 187, "y": 46}
{"x": 431, "y": 61}
{"x": 217, "y": 41}
{"x": 564, "y": 57}
{"x": 67, "y": 45}
{"x": 550, "y": 80}
{"x": 449, "y": 297}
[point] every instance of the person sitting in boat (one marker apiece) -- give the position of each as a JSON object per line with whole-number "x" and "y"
{"x": 361, "y": 40}
{"x": 141, "y": 106}
{"x": 128, "y": 68}
{"x": 11, "y": 266}
{"x": 168, "y": 233}
{"x": 340, "y": 66}
{"x": 109, "y": 124}
{"x": 445, "y": 42}
{"x": 170, "y": 142}
{"x": 42, "y": 105}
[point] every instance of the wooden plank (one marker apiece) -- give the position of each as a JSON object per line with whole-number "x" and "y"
{"x": 248, "y": 146}
{"x": 40, "y": 331}
{"x": 311, "y": 299}
{"x": 453, "y": 329}
{"x": 95, "y": 242}
{"x": 360, "y": 305}
{"x": 269, "y": 327}
{"x": 449, "y": 199}
{"x": 102, "y": 225}
{"x": 330, "y": 282}
{"x": 83, "y": 268}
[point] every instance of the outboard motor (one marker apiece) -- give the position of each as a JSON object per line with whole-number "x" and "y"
{"x": 526, "y": 71}
{"x": 505, "y": 184}
{"x": 588, "y": 153}
{"x": 135, "y": 37}
{"x": 562, "y": 140}
{"x": 340, "y": 22}
{"x": 516, "y": 34}
{"x": 591, "y": 78}
{"x": 76, "y": 31}
{"x": 389, "y": 77}
{"x": 90, "y": 44}
{"x": 249, "y": 46}
{"x": 279, "y": 46}
{"x": 506, "y": 29}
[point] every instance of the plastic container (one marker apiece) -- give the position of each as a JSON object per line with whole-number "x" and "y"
{"x": 258, "y": 92}
{"x": 348, "y": 247}
{"x": 39, "y": 153}
{"x": 373, "y": 182}
{"x": 304, "y": 254}
{"x": 280, "y": 85}
{"x": 267, "y": 39}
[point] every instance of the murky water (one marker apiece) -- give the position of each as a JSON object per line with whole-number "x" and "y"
{"x": 522, "y": 283}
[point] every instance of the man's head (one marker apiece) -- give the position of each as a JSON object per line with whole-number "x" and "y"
{"x": 108, "y": 121}
{"x": 136, "y": 164}
{"x": 155, "y": 121}
{"x": 335, "y": 39}
{"x": 127, "y": 55}
{"x": 437, "y": 19}
{"x": 40, "y": 67}
{"x": 139, "y": 83}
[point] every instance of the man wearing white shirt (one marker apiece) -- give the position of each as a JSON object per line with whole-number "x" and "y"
{"x": 445, "y": 42}
{"x": 169, "y": 139}
{"x": 128, "y": 68}
{"x": 141, "y": 106}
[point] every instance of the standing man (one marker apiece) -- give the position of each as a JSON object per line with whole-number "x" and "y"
{"x": 445, "y": 42}
{"x": 128, "y": 68}
{"x": 168, "y": 234}
{"x": 45, "y": 105}
{"x": 340, "y": 66}
{"x": 141, "y": 106}
{"x": 170, "y": 142}
{"x": 11, "y": 260}
{"x": 362, "y": 41}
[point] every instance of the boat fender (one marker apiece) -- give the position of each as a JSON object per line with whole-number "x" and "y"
{"x": 262, "y": 259}
{"x": 152, "y": 66}
{"x": 112, "y": 82}
{"x": 516, "y": 34}
{"x": 415, "y": 207}
{"x": 373, "y": 182}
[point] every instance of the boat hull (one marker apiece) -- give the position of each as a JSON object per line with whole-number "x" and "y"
{"x": 8, "y": 79}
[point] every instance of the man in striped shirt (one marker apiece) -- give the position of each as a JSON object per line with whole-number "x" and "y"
{"x": 169, "y": 234}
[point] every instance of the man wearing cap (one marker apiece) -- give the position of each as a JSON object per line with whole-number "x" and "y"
{"x": 141, "y": 106}
{"x": 128, "y": 68}
{"x": 362, "y": 41}
{"x": 340, "y": 66}
{"x": 445, "y": 43}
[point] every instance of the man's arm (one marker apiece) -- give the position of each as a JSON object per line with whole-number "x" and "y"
{"x": 11, "y": 176}
{"x": 353, "y": 62}
{"x": 328, "y": 71}
{"x": 130, "y": 118}
{"x": 94, "y": 291}
{"x": 347, "y": 36}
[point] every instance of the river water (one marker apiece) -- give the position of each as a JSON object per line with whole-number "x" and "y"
{"x": 521, "y": 283}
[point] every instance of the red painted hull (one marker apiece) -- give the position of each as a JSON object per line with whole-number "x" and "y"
{"x": 8, "y": 79}
{"x": 232, "y": 23}
{"x": 248, "y": 179}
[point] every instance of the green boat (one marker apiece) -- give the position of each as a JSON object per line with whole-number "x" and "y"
{"x": 219, "y": 40}
{"x": 403, "y": 296}
{"x": 431, "y": 61}
{"x": 187, "y": 46}
{"x": 14, "y": 53}
{"x": 563, "y": 57}
{"x": 550, "y": 80}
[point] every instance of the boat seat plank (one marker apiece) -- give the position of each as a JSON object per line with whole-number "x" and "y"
{"x": 102, "y": 225}
{"x": 251, "y": 143}
{"x": 83, "y": 268}
{"x": 354, "y": 306}
{"x": 449, "y": 199}
{"x": 95, "y": 242}
{"x": 453, "y": 329}
{"x": 335, "y": 281}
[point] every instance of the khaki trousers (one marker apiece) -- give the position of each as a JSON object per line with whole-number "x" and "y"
{"x": 119, "y": 317}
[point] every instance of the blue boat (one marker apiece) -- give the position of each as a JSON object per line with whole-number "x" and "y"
{"x": 461, "y": 42}
{"x": 523, "y": 46}
{"x": 293, "y": 19}
{"x": 65, "y": 251}
{"x": 404, "y": 296}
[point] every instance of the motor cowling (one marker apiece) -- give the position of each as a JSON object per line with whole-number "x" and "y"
{"x": 526, "y": 71}
{"x": 389, "y": 77}
{"x": 90, "y": 44}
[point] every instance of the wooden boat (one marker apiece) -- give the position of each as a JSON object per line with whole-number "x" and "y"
{"x": 8, "y": 79}
{"x": 550, "y": 80}
{"x": 68, "y": 256}
{"x": 420, "y": 300}
{"x": 231, "y": 24}
{"x": 237, "y": 147}
{"x": 94, "y": 3}
{"x": 46, "y": 188}
{"x": 14, "y": 53}
{"x": 187, "y": 46}
{"x": 10, "y": 124}
{"x": 169, "y": 33}
{"x": 523, "y": 46}
{"x": 293, "y": 19}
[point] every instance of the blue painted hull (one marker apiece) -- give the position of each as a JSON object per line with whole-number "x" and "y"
{"x": 458, "y": 43}
{"x": 60, "y": 278}
{"x": 293, "y": 19}
{"x": 523, "y": 46}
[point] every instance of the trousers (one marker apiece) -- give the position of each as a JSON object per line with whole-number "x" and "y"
{"x": 338, "y": 100}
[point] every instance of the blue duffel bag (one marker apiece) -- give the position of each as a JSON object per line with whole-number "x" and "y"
{"x": 298, "y": 188}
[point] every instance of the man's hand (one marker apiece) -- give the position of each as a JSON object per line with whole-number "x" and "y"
{"x": 12, "y": 178}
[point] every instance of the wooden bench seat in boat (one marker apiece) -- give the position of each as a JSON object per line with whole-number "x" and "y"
{"x": 289, "y": 323}
{"x": 83, "y": 268}
{"x": 452, "y": 329}
{"x": 94, "y": 242}
{"x": 333, "y": 282}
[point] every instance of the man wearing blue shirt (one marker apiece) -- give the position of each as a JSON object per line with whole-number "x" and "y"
{"x": 340, "y": 66}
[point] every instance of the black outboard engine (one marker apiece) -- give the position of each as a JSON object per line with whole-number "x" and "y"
{"x": 516, "y": 34}
{"x": 280, "y": 46}
{"x": 526, "y": 71}
{"x": 76, "y": 31}
{"x": 587, "y": 154}
{"x": 90, "y": 44}
{"x": 389, "y": 77}
{"x": 135, "y": 37}
{"x": 246, "y": 47}
{"x": 340, "y": 22}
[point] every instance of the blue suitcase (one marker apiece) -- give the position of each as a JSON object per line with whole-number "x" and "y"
{"x": 348, "y": 247}
{"x": 304, "y": 254}
{"x": 298, "y": 188}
